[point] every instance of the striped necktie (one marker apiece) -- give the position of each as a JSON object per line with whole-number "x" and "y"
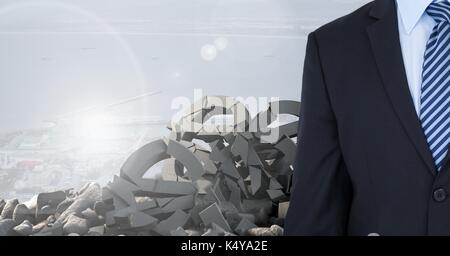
{"x": 435, "y": 99}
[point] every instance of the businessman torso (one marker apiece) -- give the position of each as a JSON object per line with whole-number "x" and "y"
{"x": 363, "y": 165}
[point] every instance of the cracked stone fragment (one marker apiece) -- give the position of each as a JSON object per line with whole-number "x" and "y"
{"x": 76, "y": 225}
{"x": 179, "y": 232}
{"x": 274, "y": 230}
{"x": 243, "y": 187}
{"x": 101, "y": 208}
{"x": 240, "y": 148}
{"x": 92, "y": 217}
{"x": 202, "y": 186}
{"x": 187, "y": 158}
{"x": 172, "y": 170}
{"x": 143, "y": 159}
{"x": 145, "y": 203}
{"x": 217, "y": 230}
{"x": 178, "y": 219}
{"x": 255, "y": 179}
{"x": 98, "y": 229}
{"x": 174, "y": 188}
{"x": 212, "y": 214}
{"x": 8, "y": 209}
{"x": 208, "y": 165}
{"x": 256, "y": 205}
{"x": 124, "y": 190}
{"x": 228, "y": 167}
{"x": 244, "y": 226}
{"x": 107, "y": 195}
{"x": 122, "y": 216}
{"x": 276, "y": 194}
{"x": 6, "y": 227}
{"x": 109, "y": 218}
{"x": 22, "y": 213}
{"x": 274, "y": 184}
{"x": 83, "y": 201}
{"x": 288, "y": 148}
{"x": 24, "y": 229}
{"x": 64, "y": 205}
{"x": 54, "y": 230}
{"x": 182, "y": 203}
{"x": 52, "y": 199}
{"x": 163, "y": 201}
{"x": 147, "y": 185}
{"x": 140, "y": 219}
{"x": 235, "y": 196}
{"x": 282, "y": 209}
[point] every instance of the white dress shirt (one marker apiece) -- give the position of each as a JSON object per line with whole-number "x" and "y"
{"x": 415, "y": 27}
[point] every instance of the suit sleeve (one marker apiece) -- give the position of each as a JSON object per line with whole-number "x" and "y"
{"x": 321, "y": 188}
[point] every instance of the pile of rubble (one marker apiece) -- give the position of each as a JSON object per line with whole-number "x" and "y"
{"x": 213, "y": 182}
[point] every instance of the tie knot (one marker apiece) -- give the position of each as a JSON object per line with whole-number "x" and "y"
{"x": 440, "y": 11}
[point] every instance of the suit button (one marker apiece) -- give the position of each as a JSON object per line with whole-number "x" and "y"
{"x": 439, "y": 195}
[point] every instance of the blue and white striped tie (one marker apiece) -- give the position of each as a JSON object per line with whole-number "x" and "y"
{"x": 435, "y": 99}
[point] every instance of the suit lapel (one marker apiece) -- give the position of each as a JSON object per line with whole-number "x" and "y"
{"x": 385, "y": 42}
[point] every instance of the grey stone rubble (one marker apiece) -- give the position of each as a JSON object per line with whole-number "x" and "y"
{"x": 219, "y": 183}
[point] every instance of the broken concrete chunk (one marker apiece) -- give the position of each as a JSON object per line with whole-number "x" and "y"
{"x": 143, "y": 159}
{"x": 98, "y": 229}
{"x": 178, "y": 219}
{"x": 101, "y": 208}
{"x": 212, "y": 214}
{"x": 64, "y": 205}
{"x": 22, "y": 213}
{"x": 288, "y": 148}
{"x": 256, "y": 205}
{"x": 244, "y": 226}
{"x": 202, "y": 185}
{"x": 53, "y": 230}
{"x": 92, "y": 217}
{"x": 145, "y": 203}
{"x": 76, "y": 225}
{"x": 274, "y": 184}
{"x": 187, "y": 158}
{"x": 6, "y": 227}
{"x": 52, "y": 199}
{"x": 8, "y": 209}
{"x": 255, "y": 178}
{"x": 182, "y": 203}
{"x": 282, "y": 209}
{"x": 174, "y": 188}
{"x": 140, "y": 219}
{"x": 216, "y": 230}
{"x": 124, "y": 189}
{"x": 274, "y": 230}
{"x": 24, "y": 229}
{"x": 85, "y": 200}
{"x": 163, "y": 201}
{"x": 235, "y": 195}
{"x": 276, "y": 194}
{"x": 228, "y": 167}
{"x": 107, "y": 195}
{"x": 208, "y": 165}
{"x": 179, "y": 232}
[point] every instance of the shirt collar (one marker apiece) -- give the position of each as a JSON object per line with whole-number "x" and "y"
{"x": 411, "y": 11}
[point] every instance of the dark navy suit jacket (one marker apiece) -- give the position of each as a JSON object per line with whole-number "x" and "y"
{"x": 363, "y": 164}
